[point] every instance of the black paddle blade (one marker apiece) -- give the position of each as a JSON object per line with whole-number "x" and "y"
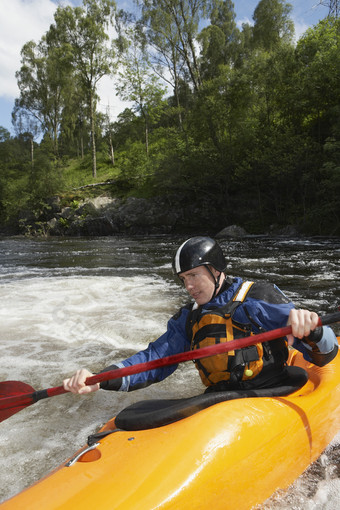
{"x": 14, "y": 389}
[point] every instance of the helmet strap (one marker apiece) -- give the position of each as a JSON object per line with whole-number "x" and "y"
{"x": 216, "y": 280}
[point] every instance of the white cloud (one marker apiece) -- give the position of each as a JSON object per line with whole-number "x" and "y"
{"x": 108, "y": 99}
{"x": 300, "y": 25}
{"x": 25, "y": 20}
{"x": 20, "y": 21}
{"x": 300, "y": 29}
{"x": 245, "y": 20}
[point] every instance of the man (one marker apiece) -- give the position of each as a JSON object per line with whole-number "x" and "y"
{"x": 224, "y": 308}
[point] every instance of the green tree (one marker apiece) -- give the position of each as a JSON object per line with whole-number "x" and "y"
{"x": 24, "y": 123}
{"x": 327, "y": 217}
{"x": 128, "y": 128}
{"x": 220, "y": 40}
{"x": 164, "y": 47}
{"x": 177, "y": 22}
{"x": 272, "y": 24}
{"x": 318, "y": 79}
{"x": 317, "y": 114}
{"x": 5, "y": 135}
{"x": 43, "y": 79}
{"x": 137, "y": 83}
{"x": 83, "y": 31}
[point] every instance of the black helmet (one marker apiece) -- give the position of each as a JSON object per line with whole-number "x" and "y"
{"x": 198, "y": 251}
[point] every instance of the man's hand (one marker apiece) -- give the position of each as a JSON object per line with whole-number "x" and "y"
{"x": 302, "y": 323}
{"x": 76, "y": 383}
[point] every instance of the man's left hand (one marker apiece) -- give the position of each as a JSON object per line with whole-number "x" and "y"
{"x": 302, "y": 323}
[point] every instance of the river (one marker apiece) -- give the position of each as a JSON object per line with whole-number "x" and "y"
{"x": 69, "y": 303}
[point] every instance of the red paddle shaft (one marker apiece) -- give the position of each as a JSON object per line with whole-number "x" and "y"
{"x": 30, "y": 398}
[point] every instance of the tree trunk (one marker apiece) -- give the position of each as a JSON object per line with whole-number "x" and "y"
{"x": 93, "y": 137}
{"x": 178, "y": 105}
{"x": 146, "y": 137}
{"x": 145, "y": 116}
{"x": 112, "y": 154}
{"x": 55, "y": 140}
{"x": 32, "y": 153}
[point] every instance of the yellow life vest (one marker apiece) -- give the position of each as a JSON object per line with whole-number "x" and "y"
{"x": 215, "y": 326}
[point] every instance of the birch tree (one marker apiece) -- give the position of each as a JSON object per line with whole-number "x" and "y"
{"x": 42, "y": 81}
{"x": 137, "y": 83}
{"x": 84, "y": 31}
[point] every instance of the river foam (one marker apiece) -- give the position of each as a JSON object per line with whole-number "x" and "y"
{"x": 92, "y": 302}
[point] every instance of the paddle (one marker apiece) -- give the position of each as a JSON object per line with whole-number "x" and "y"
{"x": 15, "y": 395}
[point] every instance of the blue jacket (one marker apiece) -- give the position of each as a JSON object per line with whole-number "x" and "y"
{"x": 268, "y": 306}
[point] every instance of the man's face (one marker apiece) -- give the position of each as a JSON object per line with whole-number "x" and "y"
{"x": 199, "y": 283}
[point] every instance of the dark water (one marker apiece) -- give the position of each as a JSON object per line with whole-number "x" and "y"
{"x": 67, "y": 303}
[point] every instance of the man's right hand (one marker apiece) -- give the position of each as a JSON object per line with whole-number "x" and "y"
{"x": 76, "y": 383}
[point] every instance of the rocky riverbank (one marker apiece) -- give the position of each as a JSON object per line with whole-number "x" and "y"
{"x": 104, "y": 215}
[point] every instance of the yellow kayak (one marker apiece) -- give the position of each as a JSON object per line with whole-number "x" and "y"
{"x": 233, "y": 454}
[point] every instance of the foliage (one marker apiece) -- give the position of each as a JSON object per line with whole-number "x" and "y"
{"x": 272, "y": 24}
{"x": 250, "y": 125}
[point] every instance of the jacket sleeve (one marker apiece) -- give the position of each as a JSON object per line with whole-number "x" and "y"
{"x": 265, "y": 308}
{"x": 320, "y": 347}
{"x": 268, "y": 308}
{"x": 173, "y": 341}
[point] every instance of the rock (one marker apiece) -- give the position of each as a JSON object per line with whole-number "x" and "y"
{"x": 136, "y": 216}
{"x": 54, "y": 204}
{"x": 53, "y": 225}
{"x": 139, "y": 216}
{"x": 104, "y": 215}
{"x": 287, "y": 231}
{"x": 67, "y": 213}
{"x": 102, "y": 202}
{"x": 96, "y": 206}
{"x": 231, "y": 231}
{"x": 98, "y": 226}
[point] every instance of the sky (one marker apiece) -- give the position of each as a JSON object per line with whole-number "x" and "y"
{"x": 25, "y": 20}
